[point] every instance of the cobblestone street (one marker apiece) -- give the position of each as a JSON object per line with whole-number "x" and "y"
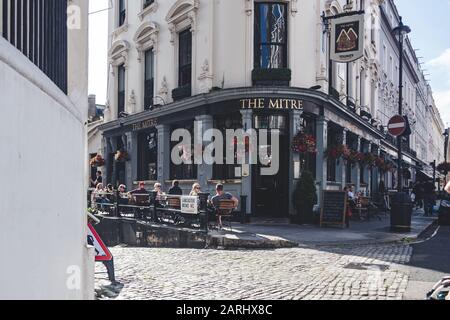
{"x": 362, "y": 273}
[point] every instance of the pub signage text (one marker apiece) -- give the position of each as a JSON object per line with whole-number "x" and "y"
{"x": 272, "y": 104}
{"x": 147, "y": 124}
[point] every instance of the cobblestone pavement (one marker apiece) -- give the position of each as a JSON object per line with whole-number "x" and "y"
{"x": 365, "y": 272}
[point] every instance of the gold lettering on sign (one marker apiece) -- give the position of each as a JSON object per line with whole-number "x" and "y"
{"x": 151, "y": 123}
{"x": 273, "y": 104}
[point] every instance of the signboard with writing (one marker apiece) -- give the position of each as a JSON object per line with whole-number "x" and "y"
{"x": 347, "y": 38}
{"x": 189, "y": 205}
{"x": 147, "y": 124}
{"x": 271, "y": 104}
{"x": 334, "y": 208}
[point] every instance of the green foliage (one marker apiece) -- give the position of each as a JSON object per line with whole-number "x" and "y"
{"x": 305, "y": 197}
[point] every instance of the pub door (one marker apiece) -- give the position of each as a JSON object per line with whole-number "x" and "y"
{"x": 271, "y": 193}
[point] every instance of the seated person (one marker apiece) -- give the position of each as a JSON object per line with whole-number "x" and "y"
{"x": 175, "y": 190}
{"x": 221, "y": 195}
{"x": 123, "y": 197}
{"x": 141, "y": 195}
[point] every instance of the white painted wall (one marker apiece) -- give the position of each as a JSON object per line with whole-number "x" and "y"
{"x": 43, "y": 199}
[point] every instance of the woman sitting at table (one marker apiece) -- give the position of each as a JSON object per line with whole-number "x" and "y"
{"x": 98, "y": 195}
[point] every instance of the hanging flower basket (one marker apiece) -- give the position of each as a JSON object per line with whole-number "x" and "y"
{"x": 97, "y": 161}
{"x": 304, "y": 143}
{"x": 369, "y": 160}
{"x": 337, "y": 152}
{"x": 121, "y": 156}
{"x": 387, "y": 166}
{"x": 443, "y": 168}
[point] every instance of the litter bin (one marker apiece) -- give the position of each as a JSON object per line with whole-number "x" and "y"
{"x": 401, "y": 212}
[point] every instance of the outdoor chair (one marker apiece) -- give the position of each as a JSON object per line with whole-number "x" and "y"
{"x": 225, "y": 211}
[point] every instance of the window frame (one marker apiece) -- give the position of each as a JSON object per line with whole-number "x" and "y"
{"x": 149, "y": 96}
{"x": 121, "y": 96}
{"x": 122, "y": 12}
{"x": 145, "y": 154}
{"x": 183, "y": 67}
{"x": 184, "y": 168}
{"x": 224, "y": 172}
{"x": 258, "y": 44}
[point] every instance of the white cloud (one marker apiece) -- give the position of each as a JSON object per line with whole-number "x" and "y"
{"x": 442, "y": 99}
{"x": 439, "y": 68}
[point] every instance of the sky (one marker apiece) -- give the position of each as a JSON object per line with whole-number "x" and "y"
{"x": 430, "y": 26}
{"x": 98, "y": 49}
{"x": 428, "y": 20}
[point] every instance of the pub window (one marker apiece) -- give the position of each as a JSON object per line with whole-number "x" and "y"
{"x": 185, "y": 59}
{"x": 122, "y": 12}
{"x": 270, "y": 35}
{"x": 148, "y": 156}
{"x": 121, "y": 90}
{"x": 227, "y": 171}
{"x": 184, "y": 171}
{"x": 333, "y": 141}
{"x": 149, "y": 79}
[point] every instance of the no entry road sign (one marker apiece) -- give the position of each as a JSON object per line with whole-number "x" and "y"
{"x": 397, "y": 126}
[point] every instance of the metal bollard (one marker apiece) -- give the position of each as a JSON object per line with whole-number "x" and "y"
{"x": 243, "y": 209}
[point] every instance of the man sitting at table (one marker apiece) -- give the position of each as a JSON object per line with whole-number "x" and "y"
{"x": 140, "y": 194}
{"x": 221, "y": 195}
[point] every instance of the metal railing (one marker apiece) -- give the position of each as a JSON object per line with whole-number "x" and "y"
{"x": 150, "y": 207}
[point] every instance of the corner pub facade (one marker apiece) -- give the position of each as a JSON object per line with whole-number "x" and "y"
{"x": 235, "y": 64}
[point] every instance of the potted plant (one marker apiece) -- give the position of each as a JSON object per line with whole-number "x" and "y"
{"x": 443, "y": 167}
{"x": 121, "y": 156}
{"x": 97, "y": 161}
{"x": 304, "y": 198}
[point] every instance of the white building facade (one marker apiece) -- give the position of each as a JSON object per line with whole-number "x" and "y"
{"x": 43, "y": 85}
{"x": 248, "y": 64}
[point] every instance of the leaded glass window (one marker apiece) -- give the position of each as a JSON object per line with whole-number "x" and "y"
{"x": 270, "y": 35}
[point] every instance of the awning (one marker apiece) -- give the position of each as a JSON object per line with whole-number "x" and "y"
{"x": 422, "y": 175}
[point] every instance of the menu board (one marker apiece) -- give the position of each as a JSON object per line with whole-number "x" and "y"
{"x": 334, "y": 208}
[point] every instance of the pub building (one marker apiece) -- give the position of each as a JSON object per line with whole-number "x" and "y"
{"x": 146, "y": 137}
{"x": 175, "y": 62}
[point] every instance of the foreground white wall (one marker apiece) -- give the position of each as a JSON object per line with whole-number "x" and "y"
{"x": 42, "y": 190}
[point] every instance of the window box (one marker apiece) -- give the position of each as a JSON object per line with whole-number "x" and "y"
{"x": 181, "y": 93}
{"x": 271, "y": 77}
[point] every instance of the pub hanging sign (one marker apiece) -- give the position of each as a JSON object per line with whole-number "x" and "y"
{"x": 347, "y": 38}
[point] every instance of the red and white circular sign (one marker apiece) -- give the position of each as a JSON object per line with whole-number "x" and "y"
{"x": 397, "y": 126}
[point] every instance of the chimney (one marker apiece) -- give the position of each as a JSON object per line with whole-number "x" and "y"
{"x": 92, "y": 109}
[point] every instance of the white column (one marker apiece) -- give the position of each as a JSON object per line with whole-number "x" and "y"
{"x": 204, "y": 172}
{"x": 247, "y": 123}
{"x": 163, "y": 153}
{"x": 321, "y": 162}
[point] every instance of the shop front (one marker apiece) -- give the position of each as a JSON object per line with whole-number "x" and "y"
{"x": 265, "y": 177}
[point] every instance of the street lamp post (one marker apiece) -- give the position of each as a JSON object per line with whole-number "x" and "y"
{"x": 401, "y": 205}
{"x": 401, "y": 31}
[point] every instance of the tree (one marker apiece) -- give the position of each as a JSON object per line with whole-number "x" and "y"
{"x": 304, "y": 198}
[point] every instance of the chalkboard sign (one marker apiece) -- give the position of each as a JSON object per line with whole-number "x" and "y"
{"x": 334, "y": 208}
